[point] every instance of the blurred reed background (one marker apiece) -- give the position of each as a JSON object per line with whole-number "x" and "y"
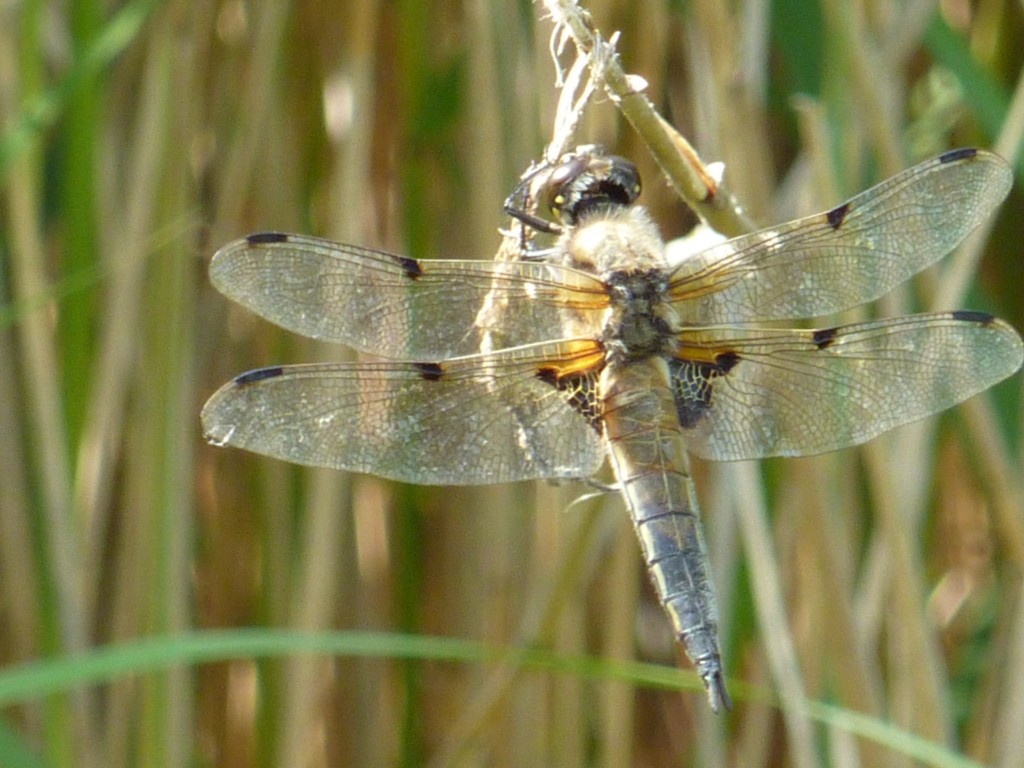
{"x": 136, "y": 140}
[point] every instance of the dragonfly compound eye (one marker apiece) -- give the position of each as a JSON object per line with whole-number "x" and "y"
{"x": 558, "y": 194}
{"x": 592, "y": 182}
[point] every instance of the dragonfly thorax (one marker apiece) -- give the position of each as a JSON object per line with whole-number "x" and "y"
{"x": 613, "y": 239}
{"x": 641, "y": 322}
{"x": 623, "y": 247}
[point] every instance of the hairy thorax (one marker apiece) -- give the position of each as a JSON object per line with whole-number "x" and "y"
{"x": 622, "y": 246}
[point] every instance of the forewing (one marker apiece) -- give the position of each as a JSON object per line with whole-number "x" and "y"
{"x": 483, "y": 419}
{"x": 852, "y": 254}
{"x": 748, "y": 394}
{"x": 394, "y": 306}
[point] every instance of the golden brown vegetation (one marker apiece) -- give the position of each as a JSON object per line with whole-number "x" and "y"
{"x": 885, "y": 580}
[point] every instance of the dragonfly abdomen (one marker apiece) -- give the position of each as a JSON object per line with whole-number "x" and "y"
{"x": 652, "y": 468}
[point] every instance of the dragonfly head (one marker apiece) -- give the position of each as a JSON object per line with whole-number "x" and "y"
{"x": 553, "y": 196}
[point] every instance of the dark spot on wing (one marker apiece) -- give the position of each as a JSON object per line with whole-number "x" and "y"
{"x": 429, "y": 371}
{"x": 411, "y": 267}
{"x": 548, "y": 376}
{"x": 823, "y": 337}
{"x": 958, "y": 154}
{"x": 693, "y": 385}
{"x": 264, "y": 238}
{"x": 580, "y": 391}
{"x": 260, "y": 374}
{"x": 725, "y": 361}
{"x": 970, "y": 316}
{"x": 837, "y": 215}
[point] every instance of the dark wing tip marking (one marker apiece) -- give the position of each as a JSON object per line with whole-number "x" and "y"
{"x": 429, "y": 371}
{"x": 837, "y": 215}
{"x": 411, "y": 267}
{"x": 971, "y": 316}
{"x": 965, "y": 153}
{"x": 260, "y": 374}
{"x": 264, "y": 238}
{"x": 823, "y": 337}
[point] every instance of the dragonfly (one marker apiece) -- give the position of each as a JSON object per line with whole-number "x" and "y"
{"x": 597, "y": 350}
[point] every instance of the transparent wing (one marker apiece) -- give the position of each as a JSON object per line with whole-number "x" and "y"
{"x": 852, "y": 254}
{"x": 748, "y": 394}
{"x": 483, "y": 419}
{"x": 393, "y": 306}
